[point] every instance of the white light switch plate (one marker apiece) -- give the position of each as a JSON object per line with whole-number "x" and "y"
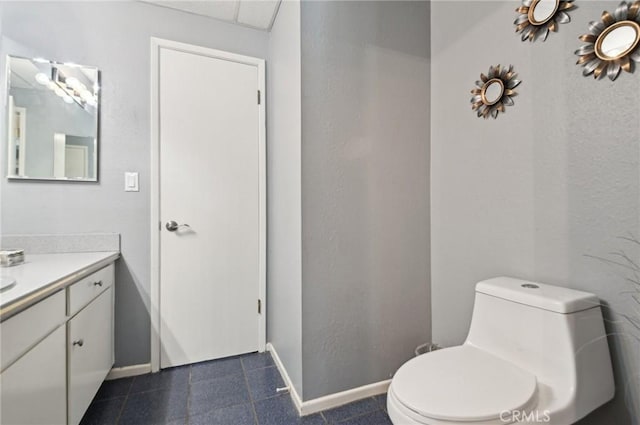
{"x": 131, "y": 182}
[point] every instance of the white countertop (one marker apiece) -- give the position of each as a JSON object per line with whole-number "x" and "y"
{"x": 43, "y": 274}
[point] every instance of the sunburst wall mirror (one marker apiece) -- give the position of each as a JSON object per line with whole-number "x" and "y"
{"x": 539, "y": 17}
{"x": 494, "y": 91}
{"x": 612, "y": 42}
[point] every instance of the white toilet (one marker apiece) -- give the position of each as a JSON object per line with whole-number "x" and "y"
{"x": 535, "y": 353}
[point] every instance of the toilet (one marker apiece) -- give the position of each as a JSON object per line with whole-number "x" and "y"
{"x": 535, "y": 353}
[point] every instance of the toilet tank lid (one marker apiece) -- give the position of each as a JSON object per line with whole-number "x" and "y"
{"x": 540, "y": 295}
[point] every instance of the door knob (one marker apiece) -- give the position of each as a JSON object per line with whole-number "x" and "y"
{"x": 172, "y": 226}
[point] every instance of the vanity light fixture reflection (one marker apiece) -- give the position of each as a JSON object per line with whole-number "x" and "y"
{"x": 613, "y": 42}
{"x": 539, "y": 17}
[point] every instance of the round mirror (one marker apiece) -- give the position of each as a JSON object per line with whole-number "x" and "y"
{"x": 617, "y": 40}
{"x": 492, "y": 91}
{"x": 542, "y": 10}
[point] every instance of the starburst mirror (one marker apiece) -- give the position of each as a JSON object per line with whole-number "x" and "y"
{"x": 494, "y": 91}
{"x": 539, "y": 17}
{"x": 612, "y": 42}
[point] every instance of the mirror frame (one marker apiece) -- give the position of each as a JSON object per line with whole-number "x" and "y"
{"x": 532, "y": 9}
{"x": 591, "y": 56}
{"x": 532, "y": 29}
{"x": 506, "y": 77}
{"x": 5, "y": 137}
{"x": 485, "y": 87}
{"x": 598, "y": 46}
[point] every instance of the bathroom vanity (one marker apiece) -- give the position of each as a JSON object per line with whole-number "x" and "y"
{"x": 56, "y": 331}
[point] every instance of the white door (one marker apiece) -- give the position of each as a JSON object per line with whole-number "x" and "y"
{"x": 210, "y": 185}
{"x": 76, "y": 161}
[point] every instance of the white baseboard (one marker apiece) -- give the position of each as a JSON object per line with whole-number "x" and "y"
{"x": 329, "y": 401}
{"x": 124, "y": 372}
{"x": 295, "y": 397}
{"x": 338, "y": 399}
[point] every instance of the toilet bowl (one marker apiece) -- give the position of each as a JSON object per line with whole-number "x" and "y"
{"x": 535, "y": 353}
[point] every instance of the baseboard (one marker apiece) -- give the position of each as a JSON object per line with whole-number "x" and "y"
{"x": 344, "y": 397}
{"x": 124, "y": 372}
{"x": 329, "y": 401}
{"x": 295, "y": 397}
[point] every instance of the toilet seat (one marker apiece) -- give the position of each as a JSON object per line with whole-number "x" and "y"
{"x": 462, "y": 384}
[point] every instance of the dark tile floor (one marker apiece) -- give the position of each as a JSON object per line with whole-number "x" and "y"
{"x": 233, "y": 391}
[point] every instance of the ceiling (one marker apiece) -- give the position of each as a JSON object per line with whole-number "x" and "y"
{"x": 258, "y": 14}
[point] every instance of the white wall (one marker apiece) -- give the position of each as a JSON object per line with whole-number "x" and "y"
{"x": 113, "y": 36}
{"x": 541, "y": 190}
{"x": 365, "y": 190}
{"x": 284, "y": 261}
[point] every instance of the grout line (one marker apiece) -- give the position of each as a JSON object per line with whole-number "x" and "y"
{"x": 188, "y": 417}
{"x": 246, "y": 382}
{"x": 124, "y": 403}
{"x": 260, "y": 368}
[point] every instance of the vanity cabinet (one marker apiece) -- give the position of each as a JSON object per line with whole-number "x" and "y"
{"x": 34, "y": 387}
{"x": 90, "y": 336}
{"x": 57, "y": 352}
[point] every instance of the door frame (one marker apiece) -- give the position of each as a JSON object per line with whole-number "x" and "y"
{"x": 156, "y": 45}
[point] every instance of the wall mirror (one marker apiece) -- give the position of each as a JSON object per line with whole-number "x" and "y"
{"x": 539, "y": 17}
{"x": 613, "y": 43}
{"x": 494, "y": 91}
{"x": 52, "y": 120}
{"x": 617, "y": 40}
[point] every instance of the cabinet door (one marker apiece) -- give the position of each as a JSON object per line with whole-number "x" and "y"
{"x": 34, "y": 388}
{"x": 90, "y": 345}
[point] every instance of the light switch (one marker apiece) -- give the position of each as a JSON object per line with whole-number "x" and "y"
{"x": 131, "y": 181}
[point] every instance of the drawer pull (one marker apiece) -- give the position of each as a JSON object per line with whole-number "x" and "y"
{"x": 98, "y": 283}
{"x": 79, "y": 343}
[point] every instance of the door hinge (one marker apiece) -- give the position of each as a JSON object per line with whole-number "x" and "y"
{"x": 258, "y": 97}
{"x": 259, "y": 306}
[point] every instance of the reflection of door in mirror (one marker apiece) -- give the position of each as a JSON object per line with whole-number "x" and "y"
{"x": 70, "y": 156}
{"x": 76, "y": 161}
{"x": 17, "y": 138}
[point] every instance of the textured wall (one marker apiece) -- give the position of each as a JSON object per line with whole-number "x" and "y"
{"x": 113, "y": 36}
{"x": 365, "y": 190}
{"x": 542, "y": 190}
{"x": 284, "y": 274}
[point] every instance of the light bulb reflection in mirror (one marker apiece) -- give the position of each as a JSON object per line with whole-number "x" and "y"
{"x": 42, "y": 78}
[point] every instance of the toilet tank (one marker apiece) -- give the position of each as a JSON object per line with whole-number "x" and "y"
{"x": 555, "y": 333}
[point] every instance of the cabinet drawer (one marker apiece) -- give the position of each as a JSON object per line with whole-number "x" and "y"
{"x": 90, "y": 353}
{"x": 24, "y": 330}
{"x": 83, "y": 291}
{"x": 34, "y": 388}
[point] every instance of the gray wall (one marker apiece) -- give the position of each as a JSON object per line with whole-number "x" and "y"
{"x": 113, "y": 36}
{"x": 542, "y": 190}
{"x": 365, "y": 190}
{"x": 284, "y": 258}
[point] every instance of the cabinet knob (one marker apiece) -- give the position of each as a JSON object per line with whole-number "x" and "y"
{"x": 79, "y": 343}
{"x": 98, "y": 283}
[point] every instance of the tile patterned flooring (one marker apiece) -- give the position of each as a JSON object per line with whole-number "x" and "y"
{"x": 233, "y": 391}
